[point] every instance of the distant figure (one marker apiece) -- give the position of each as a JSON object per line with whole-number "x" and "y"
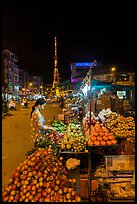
{"x": 12, "y": 104}
{"x": 37, "y": 122}
{"x": 4, "y": 106}
{"x": 25, "y": 103}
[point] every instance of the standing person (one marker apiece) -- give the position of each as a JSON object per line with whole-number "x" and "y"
{"x": 37, "y": 121}
{"x": 12, "y": 105}
{"x": 25, "y": 103}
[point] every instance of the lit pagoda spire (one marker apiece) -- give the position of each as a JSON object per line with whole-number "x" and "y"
{"x": 56, "y": 74}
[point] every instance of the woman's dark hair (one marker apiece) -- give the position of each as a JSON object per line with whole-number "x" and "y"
{"x": 39, "y": 101}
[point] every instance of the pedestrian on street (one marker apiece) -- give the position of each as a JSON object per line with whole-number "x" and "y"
{"x": 37, "y": 121}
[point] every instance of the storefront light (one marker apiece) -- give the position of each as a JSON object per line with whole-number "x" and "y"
{"x": 85, "y": 89}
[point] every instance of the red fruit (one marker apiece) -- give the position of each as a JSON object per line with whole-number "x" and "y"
{"x": 65, "y": 172}
{"x": 33, "y": 192}
{"x": 10, "y": 181}
{"x": 39, "y": 190}
{"x": 13, "y": 187}
{"x": 5, "y": 193}
{"x": 16, "y": 174}
{"x": 13, "y": 192}
{"x": 52, "y": 184}
{"x": 17, "y": 196}
{"x": 57, "y": 197}
{"x": 39, "y": 195}
{"x": 36, "y": 198}
{"x": 36, "y": 167}
{"x": 45, "y": 152}
{"x": 6, "y": 199}
{"x": 44, "y": 193}
{"x": 18, "y": 168}
{"x": 41, "y": 199}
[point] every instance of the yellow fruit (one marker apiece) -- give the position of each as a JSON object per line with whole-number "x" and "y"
{"x": 68, "y": 146}
{"x": 62, "y": 146}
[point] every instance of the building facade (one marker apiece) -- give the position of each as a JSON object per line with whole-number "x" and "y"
{"x": 36, "y": 84}
{"x": 13, "y": 78}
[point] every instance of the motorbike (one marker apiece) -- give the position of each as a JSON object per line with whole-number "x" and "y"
{"x": 4, "y": 107}
{"x": 12, "y": 106}
{"x": 24, "y": 105}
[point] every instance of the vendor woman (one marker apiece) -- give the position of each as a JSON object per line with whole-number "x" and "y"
{"x": 37, "y": 121}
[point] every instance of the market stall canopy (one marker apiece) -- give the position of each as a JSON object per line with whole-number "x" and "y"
{"x": 97, "y": 84}
{"x": 123, "y": 87}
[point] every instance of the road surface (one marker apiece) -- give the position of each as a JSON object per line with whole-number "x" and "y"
{"x": 16, "y": 140}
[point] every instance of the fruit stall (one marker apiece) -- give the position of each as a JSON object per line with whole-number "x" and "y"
{"x": 89, "y": 160}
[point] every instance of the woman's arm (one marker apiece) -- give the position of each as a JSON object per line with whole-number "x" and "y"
{"x": 38, "y": 119}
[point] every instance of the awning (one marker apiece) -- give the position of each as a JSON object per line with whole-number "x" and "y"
{"x": 13, "y": 92}
{"x": 123, "y": 87}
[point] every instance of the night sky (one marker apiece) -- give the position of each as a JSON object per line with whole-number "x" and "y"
{"x": 85, "y": 31}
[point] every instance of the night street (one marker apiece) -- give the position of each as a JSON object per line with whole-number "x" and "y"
{"x": 16, "y": 140}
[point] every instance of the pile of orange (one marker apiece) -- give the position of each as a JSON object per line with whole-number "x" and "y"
{"x": 100, "y": 135}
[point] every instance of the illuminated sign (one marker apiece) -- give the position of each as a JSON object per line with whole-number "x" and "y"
{"x": 84, "y": 64}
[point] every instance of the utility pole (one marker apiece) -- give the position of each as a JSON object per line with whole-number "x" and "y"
{"x": 90, "y": 81}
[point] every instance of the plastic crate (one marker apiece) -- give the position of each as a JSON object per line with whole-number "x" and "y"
{"x": 120, "y": 163}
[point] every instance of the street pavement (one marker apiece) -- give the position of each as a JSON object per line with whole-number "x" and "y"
{"x": 16, "y": 140}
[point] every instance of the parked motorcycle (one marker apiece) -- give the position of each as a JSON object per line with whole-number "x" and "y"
{"x": 4, "y": 107}
{"x": 24, "y": 105}
{"x": 12, "y": 105}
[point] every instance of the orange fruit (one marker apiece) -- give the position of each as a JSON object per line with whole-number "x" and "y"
{"x": 105, "y": 138}
{"x": 90, "y": 143}
{"x": 92, "y": 138}
{"x": 96, "y": 142}
{"x": 109, "y": 142}
{"x": 114, "y": 141}
{"x": 99, "y": 138}
{"x": 103, "y": 142}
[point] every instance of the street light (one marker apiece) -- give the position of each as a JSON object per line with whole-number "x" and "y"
{"x": 113, "y": 69}
{"x": 90, "y": 81}
{"x": 30, "y": 83}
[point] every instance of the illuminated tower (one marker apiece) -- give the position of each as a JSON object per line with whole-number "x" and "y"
{"x": 56, "y": 74}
